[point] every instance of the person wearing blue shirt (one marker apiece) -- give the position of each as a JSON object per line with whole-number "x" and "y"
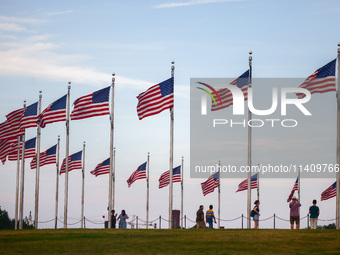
{"x": 314, "y": 214}
{"x": 122, "y": 219}
{"x": 209, "y": 216}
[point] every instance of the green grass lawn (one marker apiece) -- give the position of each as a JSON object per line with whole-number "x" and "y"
{"x": 186, "y": 241}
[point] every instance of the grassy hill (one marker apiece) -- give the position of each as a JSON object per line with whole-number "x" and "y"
{"x": 187, "y": 241}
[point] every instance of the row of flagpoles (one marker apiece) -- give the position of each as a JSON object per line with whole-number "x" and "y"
{"x": 153, "y": 101}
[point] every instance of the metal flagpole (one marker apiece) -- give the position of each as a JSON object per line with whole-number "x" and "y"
{"x": 114, "y": 178}
{"x": 21, "y": 210}
{"x": 338, "y": 144}
{"x": 111, "y": 175}
{"x": 171, "y": 152}
{"x": 57, "y": 186}
{"x": 182, "y": 179}
{"x": 258, "y": 184}
{"x": 147, "y": 192}
{"x": 37, "y": 173}
{"x": 219, "y": 198}
{"x": 67, "y": 153}
{"x": 17, "y": 186}
{"x": 258, "y": 189}
{"x": 82, "y": 189}
{"x": 299, "y": 184}
{"x": 249, "y": 153}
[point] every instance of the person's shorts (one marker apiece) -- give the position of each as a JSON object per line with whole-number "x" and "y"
{"x": 200, "y": 224}
{"x": 256, "y": 217}
{"x": 296, "y": 219}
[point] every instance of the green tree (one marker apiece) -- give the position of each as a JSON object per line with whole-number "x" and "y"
{"x": 5, "y": 221}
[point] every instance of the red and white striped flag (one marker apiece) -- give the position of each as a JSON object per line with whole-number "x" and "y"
{"x": 209, "y": 185}
{"x": 5, "y": 148}
{"x": 244, "y": 184}
{"x": 225, "y": 95}
{"x": 46, "y": 157}
{"x": 295, "y": 188}
{"x": 29, "y": 150}
{"x": 321, "y": 81}
{"x": 10, "y": 129}
{"x": 95, "y": 104}
{"x": 140, "y": 173}
{"x": 30, "y": 117}
{"x": 164, "y": 180}
{"x": 102, "y": 168}
{"x": 329, "y": 192}
{"x": 156, "y": 99}
{"x": 53, "y": 113}
{"x": 74, "y": 162}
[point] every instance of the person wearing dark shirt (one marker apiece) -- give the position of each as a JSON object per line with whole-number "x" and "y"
{"x": 200, "y": 218}
{"x": 257, "y": 213}
{"x": 314, "y": 214}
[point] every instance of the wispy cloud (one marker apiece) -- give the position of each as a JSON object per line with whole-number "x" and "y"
{"x": 58, "y": 13}
{"x": 193, "y": 2}
{"x": 11, "y": 27}
{"x": 36, "y": 57}
{"x": 20, "y": 20}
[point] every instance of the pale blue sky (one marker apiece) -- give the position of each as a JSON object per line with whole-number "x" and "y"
{"x": 44, "y": 44}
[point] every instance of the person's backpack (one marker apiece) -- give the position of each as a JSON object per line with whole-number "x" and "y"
{"x": 252, "y": 213}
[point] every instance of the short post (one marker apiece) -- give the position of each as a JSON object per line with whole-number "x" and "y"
{"x": 160, "y": 222}
{"x": 137, "y": 222}
{"x": 185, "y": 221}
{"x": 274, "y": 220}
{"x": 308, "y": 221}
{"x": 84, "y": 222}
{"x": 242, "y": 220}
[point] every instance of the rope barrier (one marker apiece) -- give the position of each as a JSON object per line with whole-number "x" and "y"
{"x": 281, "y": 218}
{"x": 45, "y": 221}
{"x": 231, "y": 219}
{"x": 267, "y": 218}
{"x": 101, "y": 223}
{"x": 191, "y": 220}
{"x": 134, "y": 221}
{"x": 165, "y": 219}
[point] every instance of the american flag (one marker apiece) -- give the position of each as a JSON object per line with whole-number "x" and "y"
{"x": 209, "y": 185}
{"x": 74, "y": 162}
{"x": 321, "y": 81}
{"x": 53, "y": 113}
{"x": 244, "y": 184}
{"x": 95, "y": 104}
{"x": 46, "y": 157}
{"x": 156, "y": 99}
{"x": 164, "y": 180}
{"x": 140, "y": 173}
{"x": 226, "y": 97}
{"x": 30, "y": 117}
{"x": 5, "y": 147}
{"x": 29, "y": 150}
{"x": 102, "y": 168}
{"x": 295, "y": 188}
{"x": 329, "y": 192}
{"x": 10, "y": 129}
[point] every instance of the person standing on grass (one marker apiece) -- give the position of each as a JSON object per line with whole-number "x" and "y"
{"x": 257, "y": 213}
{"x": 122, "y": 219}
{"x": 113, "y": 219}
{"x": 209, "y": 216}
{"x": 294, "y": 213}
{"x": 106, "y": 218}
{"x": 314, "y": 214}
{"x": 200, "y": 218}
